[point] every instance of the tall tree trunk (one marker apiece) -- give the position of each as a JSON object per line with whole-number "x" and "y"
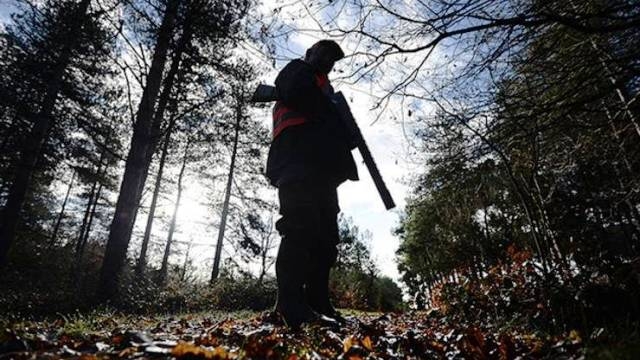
{"x": 85, "y": 238}
{"x": 142, "y": 259}
{"x": 165, "y": 96}
{"x": 183, "y": 276}
{"x": 155, "y": 133}
{"x": 87, "y": 211}
{"x": 263, "y": 266}
{"x": 136, "y": 166}
{"x": 54, "y": 235}
{"x": 37, "y": 136}
{"x": 77, "y": 273}
{"x": 172, "y": 227}
{"x": 225, "y": 206}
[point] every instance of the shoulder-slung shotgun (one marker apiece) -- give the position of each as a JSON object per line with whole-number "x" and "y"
{"x": 267, "y": 93}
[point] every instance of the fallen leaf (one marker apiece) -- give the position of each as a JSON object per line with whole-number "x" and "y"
{"x": 574, "y": 336}
{"x": 366, "y": 342}
{"x": 191, "y": 351}
{"x": 348, "y": 343}
{"x": 127, "y": 352}
{"x": 506, "y": 347}
{"x": 100, "y": 346}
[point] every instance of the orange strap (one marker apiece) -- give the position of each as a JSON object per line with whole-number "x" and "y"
{"x": 283, "y": 116}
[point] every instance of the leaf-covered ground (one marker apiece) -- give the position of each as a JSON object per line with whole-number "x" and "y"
{"x": 412, "y": 335}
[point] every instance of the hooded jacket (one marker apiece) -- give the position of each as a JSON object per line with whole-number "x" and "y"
{"x": 316, "y": 149}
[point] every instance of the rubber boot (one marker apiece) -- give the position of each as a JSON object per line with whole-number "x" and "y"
{"x": 291, "y": 267}
{"x": 322, "y": 260}
{"x": 317, "y": 292}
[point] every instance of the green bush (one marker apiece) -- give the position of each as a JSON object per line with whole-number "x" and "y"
{"x": 561, "y": 300}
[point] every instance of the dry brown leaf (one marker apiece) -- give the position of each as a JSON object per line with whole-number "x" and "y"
{"x": 505, "y": 347}
{"x": 184, "y": 349}
{"x": 348, "y": 343}
{"x": 436, "y": 346}
{"x": 127, "y": 352}
{"x": 575, "y": 337}
{"x": 366, "y": 342}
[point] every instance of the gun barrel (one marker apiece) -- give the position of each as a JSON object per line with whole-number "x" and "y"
{"x": 267, "y": 93}
{"x": 347, "y": 117}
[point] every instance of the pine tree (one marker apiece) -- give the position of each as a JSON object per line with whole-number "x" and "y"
{"x": 193, "y": 22}
{"x": 52, "y": 56}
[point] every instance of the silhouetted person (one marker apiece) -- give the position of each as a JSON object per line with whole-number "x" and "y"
{"x": 310, "y": 156}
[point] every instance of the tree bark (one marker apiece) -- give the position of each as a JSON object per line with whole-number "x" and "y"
{"x": 136, "y": 167}
{"x": 172, "y": 227}
{"x": 54, "y": 235}
{"x": 142, "y": 258}
{"x": 164, "y": 97}
{"x": 225, "y": 207}
{"x": 264, "y": 259}
{"x": 87, "y": 211}
{"x": 155, "y": 133}
{"x": 183, "y": 276}
{"x": 85, "y": 238}
{"x": 37, "y": 136}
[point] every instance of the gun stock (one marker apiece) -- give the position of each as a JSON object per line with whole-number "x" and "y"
{"x": 265, "y": 93}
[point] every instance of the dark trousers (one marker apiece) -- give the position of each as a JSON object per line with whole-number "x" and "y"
{"x": 308, "y": 249}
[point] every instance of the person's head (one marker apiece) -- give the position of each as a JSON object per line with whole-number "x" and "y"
{"x": 323, "y": 55}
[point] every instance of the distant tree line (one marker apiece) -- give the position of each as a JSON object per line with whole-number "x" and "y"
{"x": 355, "y": 281}
{"x": 527, "y": 120}
{"x": 101, "y": 103}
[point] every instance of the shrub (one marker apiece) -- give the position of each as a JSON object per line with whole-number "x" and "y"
{"x": 520, "y": 294}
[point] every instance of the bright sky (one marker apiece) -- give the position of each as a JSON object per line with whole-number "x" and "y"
{"x": 358, "y": 200}
{"x": 6, "y": 7}
{"x": 386, "y": 140}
